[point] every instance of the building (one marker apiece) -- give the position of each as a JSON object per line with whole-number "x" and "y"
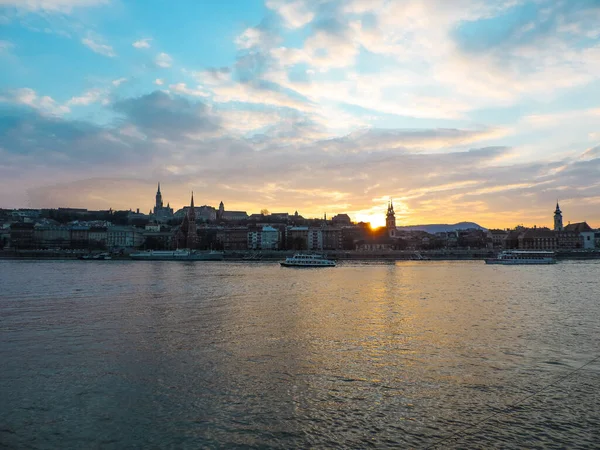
{"x": 265, "y": 238}
{"x": 233, "y": 238}
{"x": 98, "y": 237}
{"x": 158, "y": 240}
{"x": 119, "y": 237}
{"x": 22, "y": 235}
{"x": 270, "y": 238}
{"x": 203, "y": 213}
{"x": 558, "y": 220}
{"x": 187, "y": 235}
{"x": 280, "y": 216}
{"x": 569, "y": 240}
{"x": 341, "y": 220}
{"x": 52, "y": 236}
{"x": 538, "y": 239}
{"x": 297, "y": 238}
{"x": 5, "y": 236}
{"x": 390, "y": 220}
{"x": 332, "y": 238}
{"x": 498, "y": 238}
{"x": 585, "y": 232}
{"x": 80, "y": 236}
{"x": 162, "y": 213}
{"x": 230, "y": 216}
{"x": 315, "y": 239}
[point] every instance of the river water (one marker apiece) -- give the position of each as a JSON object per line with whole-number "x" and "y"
{"x": 122, "y": 354}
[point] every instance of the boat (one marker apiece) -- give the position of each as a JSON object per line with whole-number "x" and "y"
{"x": 177, "y": 255}
{"x": 512, "y": 257}
{"x": 97, "y": 257}
{"x": 302, "y": 260}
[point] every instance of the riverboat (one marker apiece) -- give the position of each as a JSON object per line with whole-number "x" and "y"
{"x": 177, "y": 255}
{"x": 98, "y": 257}
{"x": 301, "y": 260}
{"x": 513, "y": 257}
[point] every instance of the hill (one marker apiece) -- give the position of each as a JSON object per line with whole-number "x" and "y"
{"x": 442, "y": 228}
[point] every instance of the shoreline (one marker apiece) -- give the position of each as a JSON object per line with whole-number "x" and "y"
{"x": 272, "y": 256}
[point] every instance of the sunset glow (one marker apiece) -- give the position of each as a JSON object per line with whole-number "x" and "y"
{"x": 309, "y": 106}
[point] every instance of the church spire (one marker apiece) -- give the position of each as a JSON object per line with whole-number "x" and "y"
{"x": 192, "y": 202}
{"x": 558, "y": 219}
{"x": 158, "y": 191}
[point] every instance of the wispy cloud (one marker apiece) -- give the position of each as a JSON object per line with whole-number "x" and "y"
{"x": 63, "y": 6}
{"x": 102, "y": 49}
{"x": 5, "y": 46}
{"x": 89, "y": 97}
{"x": 163, "y": 60}
{"x": 119, "y": 81}
{"x": 142, "y": 43}
{"x": 181, "y": 88}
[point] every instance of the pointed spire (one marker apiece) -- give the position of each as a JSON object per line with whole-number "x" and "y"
{"x": 192, "y": 202}
{"x": 158, "y": 192}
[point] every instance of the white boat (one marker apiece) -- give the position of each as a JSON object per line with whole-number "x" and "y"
{"x": 178, "y": 255}
{"x": 511, "y": 257}
{"x": 301, "y": 260}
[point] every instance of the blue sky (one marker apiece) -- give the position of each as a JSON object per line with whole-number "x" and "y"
{"x": 465, "y": 110}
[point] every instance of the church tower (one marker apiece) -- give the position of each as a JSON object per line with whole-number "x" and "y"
{"x": 390, "y": 220}
{"x": 221, "y": 211}
{"x": 558, "y": 223}
{"x": 192, "y": 234}
{"x": 159, "y": 202}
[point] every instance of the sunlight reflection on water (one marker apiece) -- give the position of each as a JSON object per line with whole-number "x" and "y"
{"x": 126, "y": 354}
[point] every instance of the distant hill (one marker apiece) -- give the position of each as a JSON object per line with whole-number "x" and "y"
{"x": 442, "y": 228}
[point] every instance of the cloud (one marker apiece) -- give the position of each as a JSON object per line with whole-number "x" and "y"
{"x": 5, "y": 46}
{"x": 29, "y": 97}
{"x": 142, "y": 43}
{"x": 163, "y": 60}
{"x": 119, "y": 81}
{"x": 159, "y": 114}
{"x": 159, "y": 81}
{"x": 295, "y": 14}
{"x": 63, "y": 6}
{"x": 181, "y": 88}
{"x": 89, "y": 97}
{"x": 252, "y": 37}
{"x": 432, "y": 172}
{"x": 102, "y": 49}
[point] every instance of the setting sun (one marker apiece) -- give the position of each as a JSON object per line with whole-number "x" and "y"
{"x": 376, "y": 220}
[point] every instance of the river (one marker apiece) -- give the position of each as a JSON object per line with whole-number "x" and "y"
{"x": 125, "y": 354}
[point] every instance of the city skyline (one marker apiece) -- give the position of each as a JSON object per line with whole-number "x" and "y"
{"x": 160, "y": 206}
{"x": 477, "y": 111}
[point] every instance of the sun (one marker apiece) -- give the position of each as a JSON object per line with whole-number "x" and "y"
{"x": 376, "y": 220}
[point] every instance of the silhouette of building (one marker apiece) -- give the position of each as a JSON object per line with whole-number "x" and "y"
{"x": 231, "y": 216}
{"x": 390, "y": 220}
{"x": 187, "y": 235}
{"x": 161, "y": 213}
{"x": 341, "y": 220}
{"x": 558, "y": 219}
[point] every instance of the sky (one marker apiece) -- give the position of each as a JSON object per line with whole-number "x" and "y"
{"x": 474, "y": 110}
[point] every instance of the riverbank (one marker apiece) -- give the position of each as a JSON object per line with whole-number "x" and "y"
{"x": 250, "y": 256}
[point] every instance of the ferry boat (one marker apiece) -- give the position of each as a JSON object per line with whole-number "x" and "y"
{"x": 300, "y": 260}
{"x": 510, "y": 257}
{"x": 177, "y": 255}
